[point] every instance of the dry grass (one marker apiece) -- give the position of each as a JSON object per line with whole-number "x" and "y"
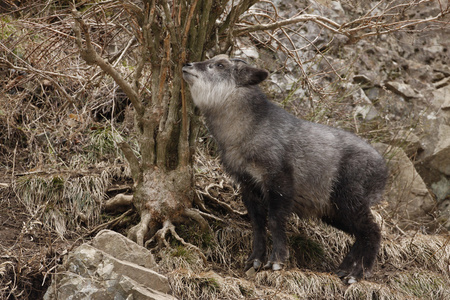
{"x": 410, "y": 265}
{"x": 61, "y": 202}
{"x": 396, "y": 277}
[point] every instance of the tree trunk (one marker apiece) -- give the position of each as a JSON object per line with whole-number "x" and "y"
{"x": 161, "y": 196}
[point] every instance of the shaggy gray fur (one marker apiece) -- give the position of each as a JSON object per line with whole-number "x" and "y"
{"x": 285, "y": 164}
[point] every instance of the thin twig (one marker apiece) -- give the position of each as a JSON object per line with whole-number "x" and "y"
{"x": 29, "y": 68}
{"x": 110, "y": 223}
{"x": 224, "y": 205}
{"x": 323, "y": 21}
{"x": 92, "y": 57}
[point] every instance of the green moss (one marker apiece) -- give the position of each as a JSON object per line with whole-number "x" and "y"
{"x": 6, "y": 29}
{"x": 102, "y": 143}
{"x": 209, "y": 284}
{"x": 305, "y": 250}
{"x": 182, "y": 252}
{"x": 179, "y": 251}
{"x": 194, "y": 235}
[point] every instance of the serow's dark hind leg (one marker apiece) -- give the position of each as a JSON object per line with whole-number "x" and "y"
{"x": 258, "y": 218}
{"x": 359, "y": 261}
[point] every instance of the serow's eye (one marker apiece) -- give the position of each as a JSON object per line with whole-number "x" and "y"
{"x": 219, "y": 65}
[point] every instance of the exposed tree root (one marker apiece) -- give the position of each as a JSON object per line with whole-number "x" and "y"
{"x": 138, "y": 232}
{"x": 222, "y": 204}
{"x": 195, "y": 215}
{"x": 208, "y": 215}
{"x": 119, "y": 200}
{"x": 200, "y": 203}
{"x": 160, "y": 238}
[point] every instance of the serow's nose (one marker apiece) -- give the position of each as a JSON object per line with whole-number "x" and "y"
{"x": 188, "y": 65}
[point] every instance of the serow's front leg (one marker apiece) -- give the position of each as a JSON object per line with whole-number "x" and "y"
{"x": 279, "y": 211}
{"x": 258, "y": 218}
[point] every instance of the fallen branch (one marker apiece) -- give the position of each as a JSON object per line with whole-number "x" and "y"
{"x": 195, "y": 215}
{"x": 110, "y": 223}
{"x": 118, "y": 200}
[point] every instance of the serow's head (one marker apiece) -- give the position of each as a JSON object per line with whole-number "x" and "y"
{"x": 214, "y": 80}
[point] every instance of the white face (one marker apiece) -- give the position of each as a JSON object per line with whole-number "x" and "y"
{"x": 214, "y": 81}
{"x": 211, "y": 82}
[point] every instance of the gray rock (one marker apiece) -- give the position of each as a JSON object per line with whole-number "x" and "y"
{"x": 367, "y": 111}
{"x": 435, "y": 162}
{"x": 442, "y": 98}
{"x": 442, "y": 68}
{"x": 363, "y": 79}
{"x": 402, "y": 89}
{"x": 408, "y": 198}
{"x": 89, "y": 273}
{"x": 440, "y": 159}
{"x": 140, "y": 292}
{"x": 123, "y": 248}
{"x": 444, "y": 213}
{"x": 373, "y": 93}
{"x": 407, "y": 140}
{"x": 440, "y": 82}
{"x": 441, "y": 188}
{"x": 363, "y": 106}
{"x": 68, "y": 287}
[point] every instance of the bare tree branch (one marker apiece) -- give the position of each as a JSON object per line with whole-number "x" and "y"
{"x": 132, "y": 160}
{"x": 397, "y": 26}
{"x": 29, "y": 68}
{"x": 92, "y": 57}
{"x": 376, "y": 24}
{"x": 323, "y": 21}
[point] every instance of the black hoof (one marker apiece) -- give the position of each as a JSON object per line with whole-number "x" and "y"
{"x": 341, "y": 273}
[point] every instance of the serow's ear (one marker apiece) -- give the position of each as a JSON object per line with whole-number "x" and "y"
{"x": 250, "y": 76}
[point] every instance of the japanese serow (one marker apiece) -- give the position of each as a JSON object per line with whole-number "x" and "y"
{"x": 284, "y": 164}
